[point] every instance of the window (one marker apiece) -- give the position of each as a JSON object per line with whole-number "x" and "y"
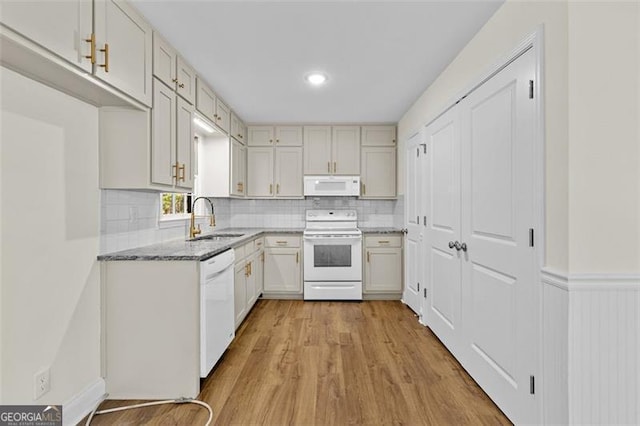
{"x": 174, "y": 205}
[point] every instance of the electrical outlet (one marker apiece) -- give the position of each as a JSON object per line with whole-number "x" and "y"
{"x": 41, "y": 383}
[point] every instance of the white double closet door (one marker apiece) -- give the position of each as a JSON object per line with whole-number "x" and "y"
{"x": 480, "y": 266}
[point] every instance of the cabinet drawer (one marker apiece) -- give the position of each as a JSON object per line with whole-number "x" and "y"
{"x": 258, "y": 243}
{"x": 383, "y": 241}
{"x": 282, "y": 241}
{"x": 240, "y": 252}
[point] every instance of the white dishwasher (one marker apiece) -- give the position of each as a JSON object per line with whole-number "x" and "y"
{"x": 217, "y": 319}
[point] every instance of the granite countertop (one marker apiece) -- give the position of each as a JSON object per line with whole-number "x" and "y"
{"x": 202, "y": 248}
{"x": 197, "y": 249}
{"x": 381, "y": 230}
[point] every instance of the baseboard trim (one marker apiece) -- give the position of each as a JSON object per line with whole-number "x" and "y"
{"x": 591, "y": 281}
{"x": 76, "y": 408}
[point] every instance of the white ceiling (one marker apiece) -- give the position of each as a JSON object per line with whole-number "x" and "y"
{"x": 379, "y": 56}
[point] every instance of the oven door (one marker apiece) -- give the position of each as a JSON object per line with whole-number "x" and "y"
{"x": 332, "y": 258}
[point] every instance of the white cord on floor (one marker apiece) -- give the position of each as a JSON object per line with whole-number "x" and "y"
{"x": 150, "y": 404}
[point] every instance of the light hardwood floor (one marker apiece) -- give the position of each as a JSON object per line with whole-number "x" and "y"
{"x": 330, "y": 363}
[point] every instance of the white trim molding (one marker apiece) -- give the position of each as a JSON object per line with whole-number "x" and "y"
{"x": 76, "y": 408}
{"x": 592, "y": 343}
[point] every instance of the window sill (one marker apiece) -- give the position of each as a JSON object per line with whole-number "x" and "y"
{"x": 173, "y": 221}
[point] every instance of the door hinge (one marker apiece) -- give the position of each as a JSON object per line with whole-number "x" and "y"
{"x": 532, "y": 385}
{"x": 531, "y": 237}
{"x": 425, "y": 293}
{"x": 424, "y": 220}
{"x": 530, "y": 89}
{"x": 417, "y": 152}
{"x": 418, "y": 286}
{"x": 418, "y": 220}
{"x": 424, "y": 147}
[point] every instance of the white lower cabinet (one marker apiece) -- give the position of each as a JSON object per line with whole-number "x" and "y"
{"x": 283, "y": 265}
{"x": 248, "y": 278}
{"x": 382, "y": 263}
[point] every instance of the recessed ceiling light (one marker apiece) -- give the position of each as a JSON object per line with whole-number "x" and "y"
{"x": 316, "y": 78}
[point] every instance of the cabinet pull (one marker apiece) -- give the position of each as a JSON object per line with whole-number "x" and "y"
{"x": 277, "y": 188}
{"x": 174, "y": 171}
{"x": 297, "y": 257}
{"x": 328, "y": 166}
{"x": 92, "y": 41}
{"x": 181, "y": 85}
{"x": 277, "y": 140}
{"x": 383, "y": 241}
{"x": 270, "y": 188}
{"x": 262, "y": 257}
{"x": 250, "y": 268}
{"x": 175, "y": 80}
{"x": 106, "y": 57}
{"x": 270, "y": 140}
{"x": 183, "y": 173}
{"x": 364, "y": 189}
{"x": 246, "y": 270}
{"x": 335, "y": 166}
{"x": 368, "y": 257}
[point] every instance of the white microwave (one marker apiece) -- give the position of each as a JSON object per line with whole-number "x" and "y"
{"x": 332, "y": 186}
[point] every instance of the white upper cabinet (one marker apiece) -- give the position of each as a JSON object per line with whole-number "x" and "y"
{"x": 163, "y": 135}
{"x": 223, "y": 115}
{"x": 378, "y": 172}
{"x": 237, "y": 129}
{"x": 260, "y": 172}
{"x": 173, "y": 70}
{"x": 238, "y": 169}
{"x": 205, "y": 100}
{"x": 288, "y": 135}
{"x": 346, "y": 150}
{"x": 317, "y": 150}
{"x": 184, "y": 144}
{"x": 261, "y": 135}
{"x": 288, "y": 172}
{"x": 64, "y": 28}
{"x": 123, "y": 49}
{"x": 378, "y": 135}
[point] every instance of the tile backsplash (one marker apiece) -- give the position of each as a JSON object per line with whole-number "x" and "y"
{"x": 130, "y": 218}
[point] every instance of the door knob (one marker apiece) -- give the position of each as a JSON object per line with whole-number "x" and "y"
{"x": 457, "y": 245}
{"x": 463, "y": 246}
{"x": 451, "y": 244}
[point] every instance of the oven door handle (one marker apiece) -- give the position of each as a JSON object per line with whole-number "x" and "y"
{"x": 331, "y": 240}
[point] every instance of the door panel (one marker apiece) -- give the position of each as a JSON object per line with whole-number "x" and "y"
{"x": 185, "y": 145}
{"x": 288, "y": 177}
{"x": 443, "y": 208}
{"x": 317, "y": 150}
{"x": 289, "y": 136}
{"x": 415, "y": 229}
{"x": 500, "y": 301}
{"x": 163, "y": 134}
{"x": 260, "y": 172}
{"x": 346, "y": 150}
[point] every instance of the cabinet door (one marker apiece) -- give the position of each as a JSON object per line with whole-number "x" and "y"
{"x": 259, "y": 273}
{"x": 235, "y": 128}
{"x": 223, "y": 115}
{"x": 346, "y": 150}
{"x": 238, "y": 168}
{"x": 164, "y": 60}
{"x": 205, "y": 100}
{"x": 261, "y": 136}
{"x": 282, "y": 270}
{"x": 62, "y": 27}
{"x": 186, "y": 84}
{"x": 378, "y": 135}
{"x": 378, "y": 173}
{"x": 289, "y": 136}
{"x": 383, "y": 270}
{"x": 240, "y": 293}
{"x": 260, "y": 172}
{"x": 185, "y": 145}
{"x": 288, "y": 170}
{"x": 317, "y": 150}
{"x": 124, "y": 43}
{"x": 251, "y": 281}
{"x": 163, "y": 134}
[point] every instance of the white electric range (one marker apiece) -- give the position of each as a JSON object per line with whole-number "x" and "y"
{"x": 332, "y": 255}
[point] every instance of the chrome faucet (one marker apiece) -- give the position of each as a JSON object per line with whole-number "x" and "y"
{"x": 193, "y": 231}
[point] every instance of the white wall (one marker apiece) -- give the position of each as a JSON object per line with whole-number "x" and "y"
{"x": 509, "y": 26}
{"x": 604, "y": 141}
{"x": 50, "y": 303}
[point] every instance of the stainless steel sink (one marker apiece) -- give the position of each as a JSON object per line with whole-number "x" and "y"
{"x": 218, "y": 237}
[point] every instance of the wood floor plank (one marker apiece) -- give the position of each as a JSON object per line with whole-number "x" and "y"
{"x": 330, "y": 363}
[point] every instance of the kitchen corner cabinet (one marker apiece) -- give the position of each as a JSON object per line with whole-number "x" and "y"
{"x": 378, "y": 135}
{"x": 378, "y": 172}
{"x": 248, "y": 278}
{"x": 173, "y": 70}
{"x": 332, "y": 150}
{"x": 382, "y": 263}
{"x": 107, "y": 38}
{"x": 237, "y": 129}
{"x": 282, "y": 265}
{"x": 274, "y": 172}
{"x": 211, "y": 106}
{"x": 172, "y": 149}
{"x": 222, "y": 167}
